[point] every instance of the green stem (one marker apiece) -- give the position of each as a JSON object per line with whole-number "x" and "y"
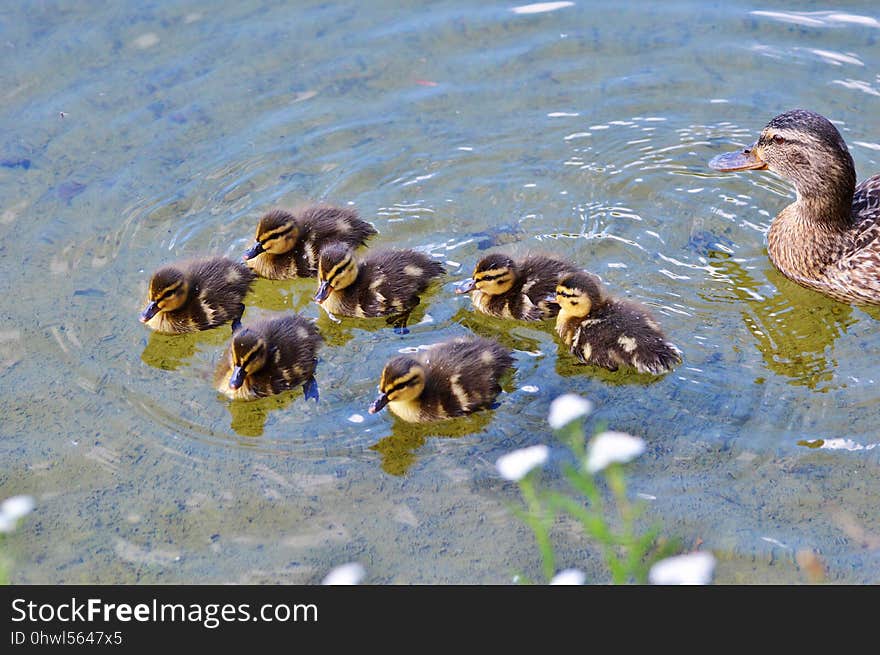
{"x": 537, "y": 518}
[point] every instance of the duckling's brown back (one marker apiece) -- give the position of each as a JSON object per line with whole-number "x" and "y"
{"x": 323, "y": 224}
{"x": 623, "y": 333}
{"x": 463, "y": 374}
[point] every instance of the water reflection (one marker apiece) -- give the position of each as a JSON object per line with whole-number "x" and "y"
{"x": 249, "y": 416}
{"x": 793, "y": 328}
{"x": 276, "y": 295}
{"x": 514, "y": 335}
{"x": 398, "y": 450}
{"x": 169, "y": 352}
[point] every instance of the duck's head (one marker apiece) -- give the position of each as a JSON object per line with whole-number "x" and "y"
{"x": 169, "y": 289}
{"x": 403, "y": 379}
{"x": 803, "y": 147}
{"x": 337, "y": 269}
{"x": 493, "y": 275}
{"x": 277, "y": 233}
{"x": 247, "y": 355}
{"x": 577, "y": 294}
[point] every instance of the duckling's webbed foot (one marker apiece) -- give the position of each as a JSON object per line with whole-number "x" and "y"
{"x": 310, "y": 389}
{"x": 236, "y": 322}
{"x": 399, "y": 322}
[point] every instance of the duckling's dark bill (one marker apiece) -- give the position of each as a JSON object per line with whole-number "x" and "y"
{"x": 151, "y": 310}
{"x": 466, "y": 286}
{"x": 237, "y": 377}
{"x": 741, "y": 160}
{"x": 253, "y": 251}
{"x": 378, "y": 404}
{"x": 323, "y": 292}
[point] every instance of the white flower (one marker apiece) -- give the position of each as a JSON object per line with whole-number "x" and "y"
{"x": 13, "y": 509}
{"x": 569, "y": 576}
{"x": 567, "y": 408}
{"x": 612, "y": 447}
{"x": 351, "y": 573}
{"x": 17, "y": 506}
{"x": 516, "y": 465}
{"x": 693, "y": 568}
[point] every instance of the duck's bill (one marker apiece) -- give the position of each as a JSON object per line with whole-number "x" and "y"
{"x": 324, "y": 290}
{"x": 253, "y": 251}
{"x": 466, "y": 286}
{"x": 237, "y": 378}
{"x": 378, "y": 404}
{"x": 741, "y": 160}
{"x": 151, "y": 310}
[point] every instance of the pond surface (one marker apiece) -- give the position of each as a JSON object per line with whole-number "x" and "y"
{"x": 135, "y": 134}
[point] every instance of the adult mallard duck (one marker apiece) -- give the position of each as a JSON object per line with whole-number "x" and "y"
{"x": 609, "y": 332}
{"x": 521, "y": 290}
{"x": 197, "y": 295}
{"x": 385, "y": 283}
{"x": 288, "y": 243}
{"x": 449, "y": 379}
{"x": 828, "y": 239}
{"x": 270, "y": 356}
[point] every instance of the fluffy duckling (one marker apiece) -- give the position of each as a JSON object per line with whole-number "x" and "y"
{"x": 523, "y": 290}
{"x": 287, "y": 244}
{"x": 608, "y": 332}
{"x": 385, "y": 283}
{"x": 197, "y": 295}
{"x": 453, "y": 378}
{"x": 268, "y": 357}
{"x": 828, "y": 239}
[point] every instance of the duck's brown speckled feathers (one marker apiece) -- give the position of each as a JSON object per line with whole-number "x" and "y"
{"x": 609, "y": 332}
{"x": 449, "y": 379}
{"x": 829, "y": 238}
{"x": 521, "y": 290}
{"x": 197, "y": 295}
{"x": 384, "y": 283}
{"x": 288, "y": 243}
{"x": 268, "y": 357}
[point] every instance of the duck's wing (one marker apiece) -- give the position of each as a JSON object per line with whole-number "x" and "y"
{"x": 866, "y": 201}
{"x": 859, "y": 270}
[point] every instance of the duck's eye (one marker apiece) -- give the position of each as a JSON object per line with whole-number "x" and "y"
{"x": 778, "y": 139}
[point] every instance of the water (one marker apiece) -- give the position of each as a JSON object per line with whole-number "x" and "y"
{"x": 136, "y": 134}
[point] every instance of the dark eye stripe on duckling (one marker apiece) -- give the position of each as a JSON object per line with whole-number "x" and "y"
{"x": 167, "y": 291}
{"x": 400, "y": 383}
{"x": 337, "y": 270}
{"x": 279, "y": 232}
{"x": 567, "y": 293}
{"x": 488, "y": 276}
{"x": 252, "y": 354}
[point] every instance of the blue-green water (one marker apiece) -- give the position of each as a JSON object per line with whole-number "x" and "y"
{"x": 134, "y": 134}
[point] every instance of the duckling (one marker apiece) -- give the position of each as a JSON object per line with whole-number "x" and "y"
{"x": 385, "y": 283}
{"x": 828, "y": 239}
{"x": 270, "y": 356}
{"x": 523, "y": 290}
{"x": 197, "y": 295}
{"x": 287, "y": 244}
{"x": 608, "y": 332}
{"x": 452, "y": 378}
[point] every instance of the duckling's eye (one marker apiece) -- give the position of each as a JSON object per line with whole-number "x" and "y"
{"x": 778, "y": 139}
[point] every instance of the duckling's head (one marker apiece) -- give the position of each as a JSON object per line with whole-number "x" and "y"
{"x": 801, "y": 146}
{"x": 577, "y": 294}
{"x": 277, "y": 233}
{"x": 247, "y": 355}
{"x": 403, "y": 379}
{"x": 169, "y": 289}
{"x": 337, "y": 268}
{"x": 493, "y": 275}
